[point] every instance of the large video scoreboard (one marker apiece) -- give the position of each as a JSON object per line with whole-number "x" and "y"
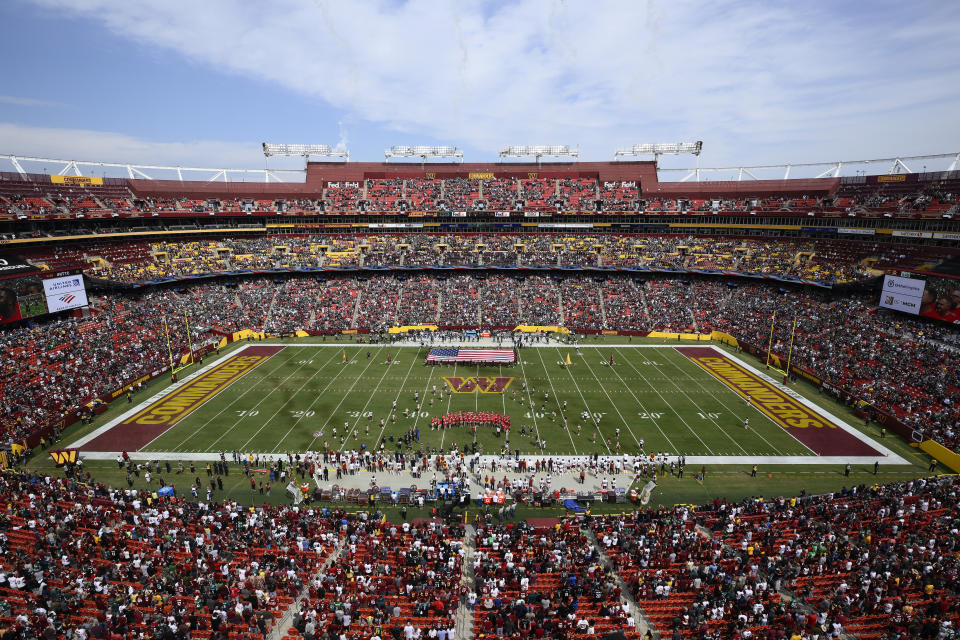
{"x": 924, "y": 295}
{"x": 26, "y": 292}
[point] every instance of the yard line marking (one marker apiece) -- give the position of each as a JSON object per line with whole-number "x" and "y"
{"x": 282, "y": 406}
{"x": 182, "y": 444}
{"x": 732, "y": 412}
{"x": 655, "y": 421}
{"x": 353, "y": 427}
{"x": 560, "y": 406}
{"x": 373, "y": 446}
{"x": 671, "y": 407}
{"x": 503, "y": 396}
{"x": 533, "y": 409}
{"x": 344, "y": 396}
{"x": 319, "y": 394}
{"x": 443, "y": 432}
{"x": 615, "y": 407}
{"x": 199, "y": 430}
{"x": 705, "y": 413}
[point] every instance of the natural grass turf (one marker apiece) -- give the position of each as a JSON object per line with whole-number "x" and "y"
{"x": 652, "y": 394}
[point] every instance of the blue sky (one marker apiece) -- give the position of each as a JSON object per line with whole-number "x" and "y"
{"x": 202, "y": 83}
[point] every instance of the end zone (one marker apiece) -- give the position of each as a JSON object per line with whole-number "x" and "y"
{"x": 138, "y": 427}
{"x": 821, "y": 432}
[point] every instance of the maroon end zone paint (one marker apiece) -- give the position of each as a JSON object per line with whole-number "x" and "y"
{"x": 818, "y": 433}
{"x": 146, "y": 425}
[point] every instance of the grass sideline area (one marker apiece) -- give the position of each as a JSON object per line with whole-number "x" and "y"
{"x": 732, "y": 482}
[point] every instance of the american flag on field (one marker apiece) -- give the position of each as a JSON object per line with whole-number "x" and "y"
{"x": 462, "y": 354}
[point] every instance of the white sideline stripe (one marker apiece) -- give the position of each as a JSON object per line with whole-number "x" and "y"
{"x": 154, "y": 398}
{"x": 840, "y": 461}
{"x": 888, "y": 455}
{"x": 486, "y": 342}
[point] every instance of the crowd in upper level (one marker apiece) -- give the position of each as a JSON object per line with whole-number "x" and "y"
{"x": 825, "y": 261}
{"x": 28, "y": 199}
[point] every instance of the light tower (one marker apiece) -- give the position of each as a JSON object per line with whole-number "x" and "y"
{"x": 423, "y": 152}
{"x": 661, "y": 148}
{"x": 539, "y": 151}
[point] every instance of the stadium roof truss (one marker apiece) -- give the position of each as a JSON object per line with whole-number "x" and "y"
{"x": 133, "y": 171}
{"x": 835, "y": 169}
{"x": 929, "y": 167}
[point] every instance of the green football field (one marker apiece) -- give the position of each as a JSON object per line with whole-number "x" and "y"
{"x": 306, "y": 398}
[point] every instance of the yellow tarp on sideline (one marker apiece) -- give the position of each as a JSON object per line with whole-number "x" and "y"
{"x": 942, "y": 454}
{"x": 682, "y": 336}
{"x": 527, "y": 328}
{"x": 408, "y": 328}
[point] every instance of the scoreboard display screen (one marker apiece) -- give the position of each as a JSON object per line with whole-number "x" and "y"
{"x": 65, "y": 292}
{"x": 21, "y": 298}
{"x": 928, "y": 296}
{"x": 902, "y": 294}
{"x": 39, "y": 293}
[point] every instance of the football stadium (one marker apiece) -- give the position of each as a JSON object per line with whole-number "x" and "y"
{"x": 478, "y": 390}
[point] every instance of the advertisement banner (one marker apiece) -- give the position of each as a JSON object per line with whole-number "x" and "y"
{"x": 806, "y": 375}
{"x": 11, "y": 266}
{"x": 912, "y": 234}
{"x": 66, "y": 292}
{"x": 902, "y": 294}
{"x": 77, "y": 181}
{"x": 897, "y": 177}
{"x": 857, "y": 232}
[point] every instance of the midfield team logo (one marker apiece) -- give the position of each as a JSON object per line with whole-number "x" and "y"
{"x": 483, "y": 385}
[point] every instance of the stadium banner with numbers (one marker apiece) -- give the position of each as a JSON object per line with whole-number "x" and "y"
{"x": 77, "y": 181}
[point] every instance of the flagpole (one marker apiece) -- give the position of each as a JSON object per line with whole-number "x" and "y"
{"x": 770, "y": 342}
{"x": 189, "y": 339}
{"x": 793, "y": 332}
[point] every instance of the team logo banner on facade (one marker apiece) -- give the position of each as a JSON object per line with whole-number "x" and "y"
{"x": 64, "y": 456}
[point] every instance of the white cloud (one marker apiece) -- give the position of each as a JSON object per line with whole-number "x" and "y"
{"x": 29, "y": 102}
{"x": 758, "y": 82}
